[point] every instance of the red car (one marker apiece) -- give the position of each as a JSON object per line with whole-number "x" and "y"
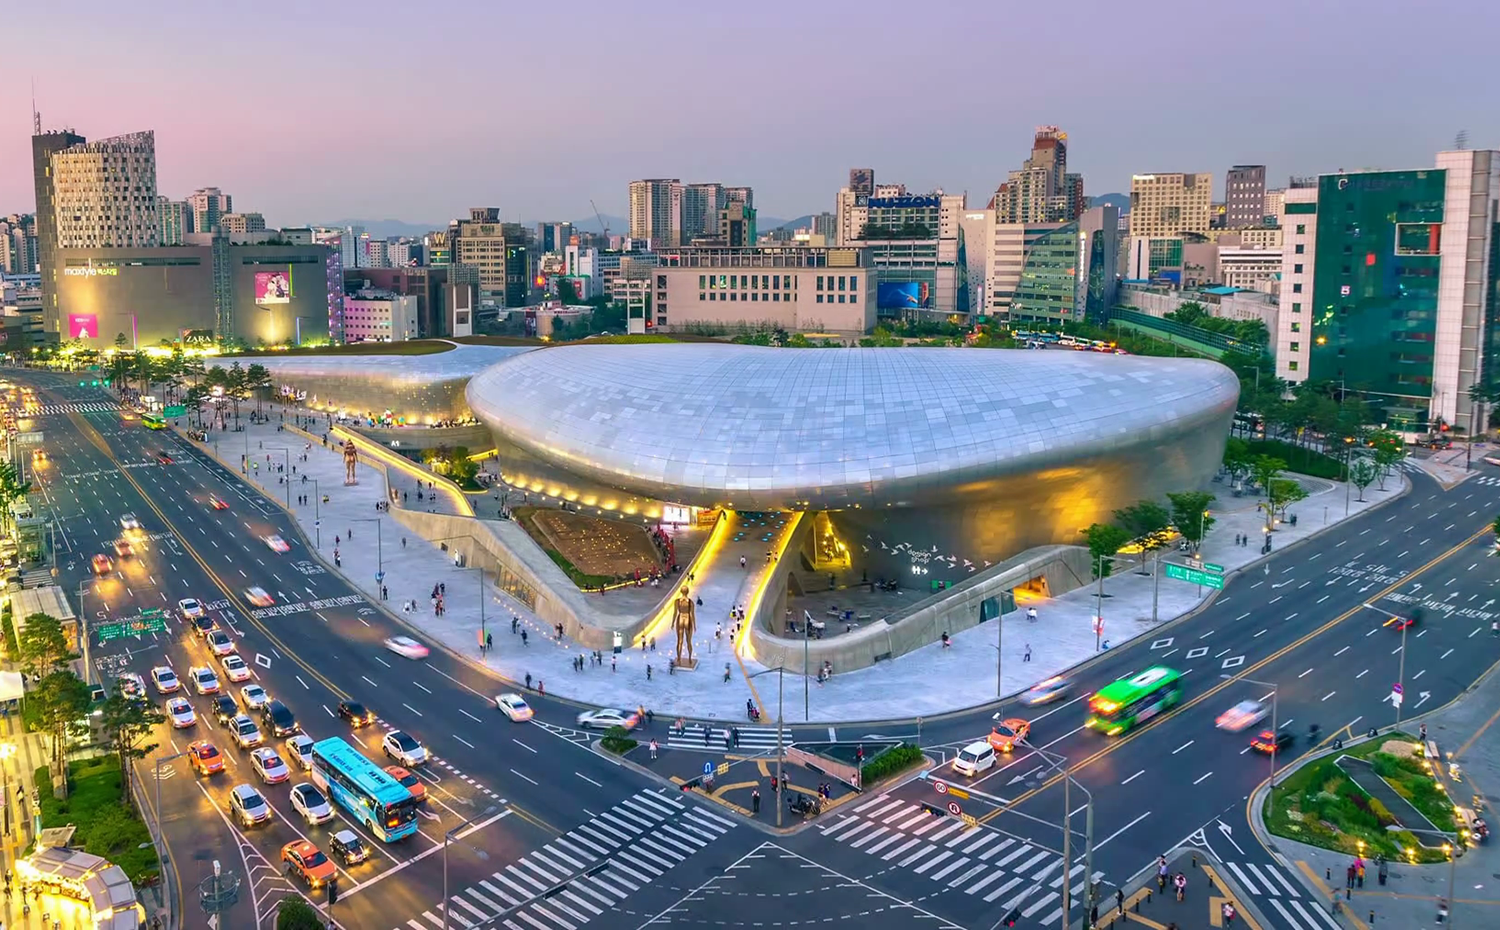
{"x": 217, "y": 503}
{"x": 1405, "y": 623}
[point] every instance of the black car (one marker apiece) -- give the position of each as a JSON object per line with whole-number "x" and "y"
{"x": 204, "y": 625}
{"x": 278, "y": 718}
{"x": 225, "y": 708}
{"x": 1268, "y": 743}
{"x": 355, "y": 713}
{"x": 347, "y": 847}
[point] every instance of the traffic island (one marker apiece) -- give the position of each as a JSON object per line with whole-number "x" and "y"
{"x": 1209, "y": 897}
{"x": 1377, "y": 800}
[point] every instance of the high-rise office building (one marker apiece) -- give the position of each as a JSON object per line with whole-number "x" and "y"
{"x": 206, "y": 206}
{"x": 553, "y": 237}
{"x": 498, "y": 252}
{"x": 242, "y": 223}
{"x": 171, "y": 220}
{"x": 377, "y": 253}
{"x": 656, "y": 211}
{"x": 736, "y": 226}
{"x": 1042, "y": 191}
{"x": 744, "y": 195}
{"x": 1275, "y": 201}
{"x": 1163, "y": 205}
{"x": 104, "y": 193}
{"x": 1244, "y": 196}
{"x": 43, "y": 146}
{"x": 1388, "y": 284}
{"x": 701, "y": 204}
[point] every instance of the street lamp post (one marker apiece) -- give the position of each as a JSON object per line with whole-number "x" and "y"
{"x": 379, "y": 544}
{"x": 1099, "y": 599}
{"x": 156, "y": 767}
{"x": 448, "y": 838}
{"x": 83, "y": 632}
{"x": 1059, "y": 763}
{"x": 780, "y": 671}
{"x": 1275, "y": 728}
{"x": 1401, "y": 665}
{"x": 317, "y": 515}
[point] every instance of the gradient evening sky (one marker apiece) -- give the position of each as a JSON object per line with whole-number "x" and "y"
{"x": 316, "y": 111}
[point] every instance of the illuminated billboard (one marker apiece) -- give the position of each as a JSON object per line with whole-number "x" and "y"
{"x": 83, "y": 326}
{"x": 904, "y": 295}
{"x": 273, "y": 287}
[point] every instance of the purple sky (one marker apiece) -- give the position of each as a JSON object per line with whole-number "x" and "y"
{"x": 310, "y": 112}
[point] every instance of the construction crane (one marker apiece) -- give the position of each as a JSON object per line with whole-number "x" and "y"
{"x": 600, "y": 217}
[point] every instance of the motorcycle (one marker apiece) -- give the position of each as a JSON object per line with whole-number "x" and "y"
{"x": 804, "y": 806}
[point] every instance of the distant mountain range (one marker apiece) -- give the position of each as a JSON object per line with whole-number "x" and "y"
{"x": 1111, "y": 200}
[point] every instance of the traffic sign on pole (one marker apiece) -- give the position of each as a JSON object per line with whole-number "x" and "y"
{"x": 941, "y": 786}
{"x": 954, "y": 809}
{"x": 1211, "y": 567}
{"x": 708, "y": 768}
{"x": 1396, "y": 688}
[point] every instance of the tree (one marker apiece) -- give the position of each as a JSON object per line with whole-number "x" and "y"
{"x": 1389, "y": 448}
{"x": 294, "y": 913}
{"x": 127, "y": 724}
{"x": 1281, "y": 493}
{"x": 1104, "y": 540}
{"x": 256, "y": 379}
{"x": 121, "y": 341}
{"x": 1266, "y": 468}
{"x": 1146, "y": 522}
{"x": 1362, "y": 472}
{"x": 234, "y": 387}
{"x": 60, "y": 698}
{"x": 1237, "y": 457}
{"x": 1190, "y": 515}
{"x": 44, "y": 644}
{"x": 12, "y": 488}
{"x": 566, "y": 292}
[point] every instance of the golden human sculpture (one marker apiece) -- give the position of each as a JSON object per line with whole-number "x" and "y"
{"x": 351, "y": 457}
{"x": 685, "y": 622}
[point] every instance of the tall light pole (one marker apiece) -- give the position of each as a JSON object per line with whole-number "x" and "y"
{"x": 317, "y": 515}
{"x": 83, "y": 633}
{"x": 1099, "y": 598}
{"x": 1275, "y": 748}
{"x": 780, "y": 671}
{"x": 156, "y": 768}
{"x": 1405, "y": 623}
{"x": 1059, "y": 764}
{"x": 448, "y": 838}
{"x": 379, "y": 546}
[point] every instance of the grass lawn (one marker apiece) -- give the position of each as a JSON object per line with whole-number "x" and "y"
{"x": 1321, "y": 806}
{"x": 1300, "y": 459}
{"x": 105, "y": 826}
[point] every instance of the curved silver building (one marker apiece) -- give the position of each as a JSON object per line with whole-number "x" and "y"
{"x": 421, "y": 388}
{"x": 979, "y": 452}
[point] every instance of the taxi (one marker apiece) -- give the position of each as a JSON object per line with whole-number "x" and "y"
{"x": 123, "y": 549}
{"x": 268, "y": 766}
{"x": 205, "y": 758}
{"x": 408, "y": 781}
{"x": 102, "y": 565}
{"x": 180, "y": 712}
{"x": 307, "y": 862}
{"x": 1271, "y": 743}
{"x": 1006, "y": 733}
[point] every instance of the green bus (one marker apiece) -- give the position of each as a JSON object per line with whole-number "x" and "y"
{"x": 1122, "y": 704}
{"x": 152, "y": 421}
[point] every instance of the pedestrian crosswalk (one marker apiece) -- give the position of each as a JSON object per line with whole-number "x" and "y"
{"x": 90, "y": 406}
{"x": 1488, "y": 480}
{"x": 1002, "y": 871}
{"x": 719, "y": 739}
{"x": 37, "y": 576}
{"x": 602, "y": 862}
{"x": 1278, "y": 894}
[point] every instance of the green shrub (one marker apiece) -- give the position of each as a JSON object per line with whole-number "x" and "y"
{"x": 1382, "y": 814}
{"x": 896, "y": 758}
{"x": 106, "y": 827}
{"x": 12, "y": 648}
{"x": 617, "y": 740}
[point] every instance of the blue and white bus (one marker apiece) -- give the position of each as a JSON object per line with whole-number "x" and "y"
{"x": 364, "y": 789}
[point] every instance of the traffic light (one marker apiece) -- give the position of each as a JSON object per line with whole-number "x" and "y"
{"x": 1011, "y": 919}
{"x": 333, "y": 891}
{"x": 936, "y": 810}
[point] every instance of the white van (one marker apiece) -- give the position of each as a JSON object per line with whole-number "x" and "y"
{"x": 974, "y": 758}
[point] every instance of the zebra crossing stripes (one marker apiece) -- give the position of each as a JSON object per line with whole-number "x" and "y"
{"x": 997, "y": 869}
{"x": 638, "y": 840}
{"x": 77, "y": 407}
{"x": 1488, "y": 480}
{"x": 1275, "y": 891}
{"x": 753, "y": 739}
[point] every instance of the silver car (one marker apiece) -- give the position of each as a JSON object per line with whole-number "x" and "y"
{"x": 310, "y": 803}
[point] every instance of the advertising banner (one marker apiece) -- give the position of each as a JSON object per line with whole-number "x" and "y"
{"x": 897, "y": 295}
{"x": 273, "y": 287}
{"x": 83, "y": 326}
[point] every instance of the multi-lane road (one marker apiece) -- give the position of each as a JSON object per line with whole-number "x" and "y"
{"x": 530, "y": 808}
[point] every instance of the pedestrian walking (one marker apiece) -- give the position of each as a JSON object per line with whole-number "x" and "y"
{"x": 1031, "y": 614}
{"x": 1228, "y": 913}
{"x": 528, "y": 681}
{"x": 734, "y": 733}
{"x": 648, "y": 672}
{"x": 489, "y": 640}
{"x": 614, "y": 665}
{"x": 523, "y": 638}
{"x": 706, "y": 734}
{"x": 653, "y": 750}
{"x": 1027, "y": 656}
{"x": 1120, "y": 900}
{"x": 540, "y": 688}
{"x": 755, "y": 800}
{"x": 728, "y": 740}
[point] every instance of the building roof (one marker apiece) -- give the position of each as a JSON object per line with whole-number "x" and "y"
{"x": 762, "y": 428}
{"x": 459, "y": 363}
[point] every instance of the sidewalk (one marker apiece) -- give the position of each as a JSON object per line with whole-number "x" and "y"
{"x": 1466, "y": 734}
{"x": 1061, "y": 638}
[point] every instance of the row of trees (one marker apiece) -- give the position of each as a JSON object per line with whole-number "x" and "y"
{"x": 1148, "y": 525}
{"x": 1191, "y": 313}
{"x": 60, "y": 699}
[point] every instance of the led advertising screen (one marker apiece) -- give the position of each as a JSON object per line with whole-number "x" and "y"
{"x": 83, "y": 326}
{"x": 903, "y": 295}
{"x": 273, "y": 287}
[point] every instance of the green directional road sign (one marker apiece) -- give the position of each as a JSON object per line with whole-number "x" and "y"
{"x": 1194, "y": 576}
{"x": 151, "y": 612}
{"x": 175, "y": 410}
{"x": 1211, "y": 567}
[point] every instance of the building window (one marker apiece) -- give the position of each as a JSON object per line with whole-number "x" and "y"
{"x": 1296, "y": 307}
{"x": 820, "y": 282}
{"x": 734, "y": 295}
{"x": 820, "y": 296}
{"x": 700, "y": 296}
{"x": 1296, "y": 288}
{"x": 1296, "y": 327}
{"x": 1301, "y": 229}
{"x": 1296, "y": 269}
{"x": 1296, "y": 347}
{"x": 702, "y": 281}
{"x": 1301, "y": 248}
{"x": 842, "y": 278}
{"x": 853, "y": 283}
{"x": 1291, "y": 366}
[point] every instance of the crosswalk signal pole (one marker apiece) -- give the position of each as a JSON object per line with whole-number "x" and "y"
{"x": 1067, "y": 885}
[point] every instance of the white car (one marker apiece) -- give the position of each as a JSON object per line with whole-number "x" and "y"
{"x": 133, "y": 686}
{"x": 129, "y": 522}
{"x": 407, "y": 647}
{"x": 204, "y": 680}
{"x": 254, "y": 696}
{"x": 606, "y": 717}
{"x": 404, "y": 749}
{"x": 248, "y": 806}
{"x": 246, "y": 734}
{"x": 1242, "y": 715}
{"x": 310, "y": 803}
{"x": 277, "y": 544}
{"x": 1045, "y": 692}
{"x": 235, "y": 668}
{"x": 512, "y": 706}
{"x": 181, "y": 713}
{"x": 190, "y": 608}
{"x": 258, "y": 597}
{"x": 219, "y": 642}
{"x": 165, "y": 680}
{"x": 299, "y": 750}
{"x": 269, "y": 767}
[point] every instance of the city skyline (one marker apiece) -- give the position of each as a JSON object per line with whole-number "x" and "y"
{"x": 268, "y": 134}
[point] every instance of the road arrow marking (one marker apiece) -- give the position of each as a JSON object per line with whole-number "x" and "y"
{"x": 1225, "y": 829}
{"x": 1416, "y": 587}
{"x": 1422, "y": 699}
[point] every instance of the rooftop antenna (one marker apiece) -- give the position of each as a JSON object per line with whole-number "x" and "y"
{"x": 1461, "y": 141}
{"x": 36, "y": 116}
